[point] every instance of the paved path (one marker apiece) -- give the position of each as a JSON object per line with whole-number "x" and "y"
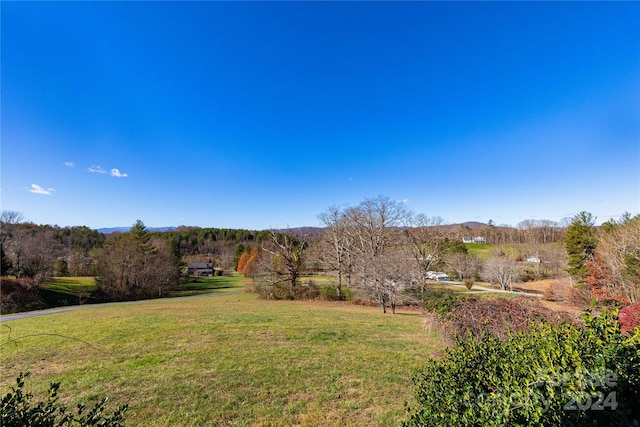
{"x": 81, "y": 307}
{"x": 477, "y": 289}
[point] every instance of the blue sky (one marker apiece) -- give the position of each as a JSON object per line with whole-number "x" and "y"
{"x": 263, "y": 114}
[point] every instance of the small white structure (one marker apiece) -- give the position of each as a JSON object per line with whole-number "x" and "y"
{"x": 475, "y": 239}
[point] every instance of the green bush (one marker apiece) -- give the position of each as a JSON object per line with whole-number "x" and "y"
{"x": 468, "y": 283}
{"x": 330, "y": 293}
{"x": 442, "y": 302}
{"x": 18, "y": 410}
{"x": 547, "y": 376}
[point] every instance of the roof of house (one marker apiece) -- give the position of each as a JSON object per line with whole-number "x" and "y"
{"x": 200, "y": 265}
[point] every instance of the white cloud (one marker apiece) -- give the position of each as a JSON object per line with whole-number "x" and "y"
{"x": 70, "y": 164}
{"x": 96, "y": 169}
{"x": 36, "y": 189}
{"x": 403, "y": 201}
{"x": 116, "y": 172}
{"x": 113, "y": 172}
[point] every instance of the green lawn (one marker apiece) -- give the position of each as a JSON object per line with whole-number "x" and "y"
{"x": 227, "y": 360}
{"x": 71, "y": 285}
{"x": 63, "y": 291}
{"x": 485, "y": 250}
{"x": 481, "y": 250}
{"x": 207, "y": 285}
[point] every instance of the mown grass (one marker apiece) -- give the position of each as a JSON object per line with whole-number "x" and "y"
{"x": 207, "y": 285}
{"x": 481, "y": 250}
{"x": 485, "y": 251}
{"x": 227, "y": 360}
{"x": 71, "y": 285}
{"x": 61, "y": 291}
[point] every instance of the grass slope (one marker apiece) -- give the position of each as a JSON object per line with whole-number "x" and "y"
{"x": 228, "y": 360}
{"x": 207, "y": 285}
{"x": 63, "y": 291}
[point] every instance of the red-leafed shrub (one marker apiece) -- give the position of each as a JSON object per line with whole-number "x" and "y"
{"x": 629, "y": 317}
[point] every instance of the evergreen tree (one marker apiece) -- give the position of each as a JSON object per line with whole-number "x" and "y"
{"x": 580, "y": 243}
{"x": 140, "y": 233}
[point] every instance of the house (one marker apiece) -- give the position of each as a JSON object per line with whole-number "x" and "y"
{"x": 533, "y": 260}
{"x": 475, "y": 239}
{"x": 200, "y": 269}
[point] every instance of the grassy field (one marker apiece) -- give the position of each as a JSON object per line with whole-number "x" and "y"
{"x": 481, "y": 250}
{"x": 71, "y": 285}
{"x": 207, "y": 285}
{"x": 63, "y": 291}
{"x": 227, "y": 360}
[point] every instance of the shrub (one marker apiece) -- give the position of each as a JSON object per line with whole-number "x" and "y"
{"x": 499, "y": 316}
{"x": 442, "y": 302}
{"x": 18, "y": 410}
{"x": 630, "y": 317}
{"x": 20, "y": 295}
{"x": 330, "y": 293}
{"x": 549, "y": 375}
{"x": 468, "y": 283}
{"x": 580, "y": 296}
{"x": 285, "y": 291}
{"x": 557, "y": 291}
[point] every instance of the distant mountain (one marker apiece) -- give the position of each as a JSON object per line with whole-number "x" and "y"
{"x": 300, "y": 231}
{"x": 473, "y": 224}
{"x": 110, "y": 230}
{"x": 296, "y": 231}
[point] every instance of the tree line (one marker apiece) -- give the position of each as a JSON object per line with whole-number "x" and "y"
{"x": 384, "y": 253}
{"x": 378, "y": 250}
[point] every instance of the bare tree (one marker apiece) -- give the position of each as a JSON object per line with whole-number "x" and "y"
{"x": 285, "y": 258}
{"x": 426, "y": 242}
{"x": 8, "y": 221}
{"x": 336, "y": 244}
{"x": 464, "y": 265}
{"x": 618, "y": 249}
{"x": 373, "y": 228}
{"x": 501, "y": 270}
{"x": 134, "y": 265}
{"x": 33, "y": 250}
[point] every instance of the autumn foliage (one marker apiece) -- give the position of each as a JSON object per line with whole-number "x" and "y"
{"x": 629, "y": 317}
{"x": 599, "y": 279}
{"x": 242, "y": 262}
{"x": 248, "y": 262}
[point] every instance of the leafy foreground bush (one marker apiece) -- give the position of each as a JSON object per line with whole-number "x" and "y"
{"x": 560, "y": 375}
{"x": 18, "y": 411}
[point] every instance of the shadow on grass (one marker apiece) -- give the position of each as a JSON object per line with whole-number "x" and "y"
{"x": 207, "y": 285}
{"x": 55, "y": 298}
{"x": 62, "y": 292}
